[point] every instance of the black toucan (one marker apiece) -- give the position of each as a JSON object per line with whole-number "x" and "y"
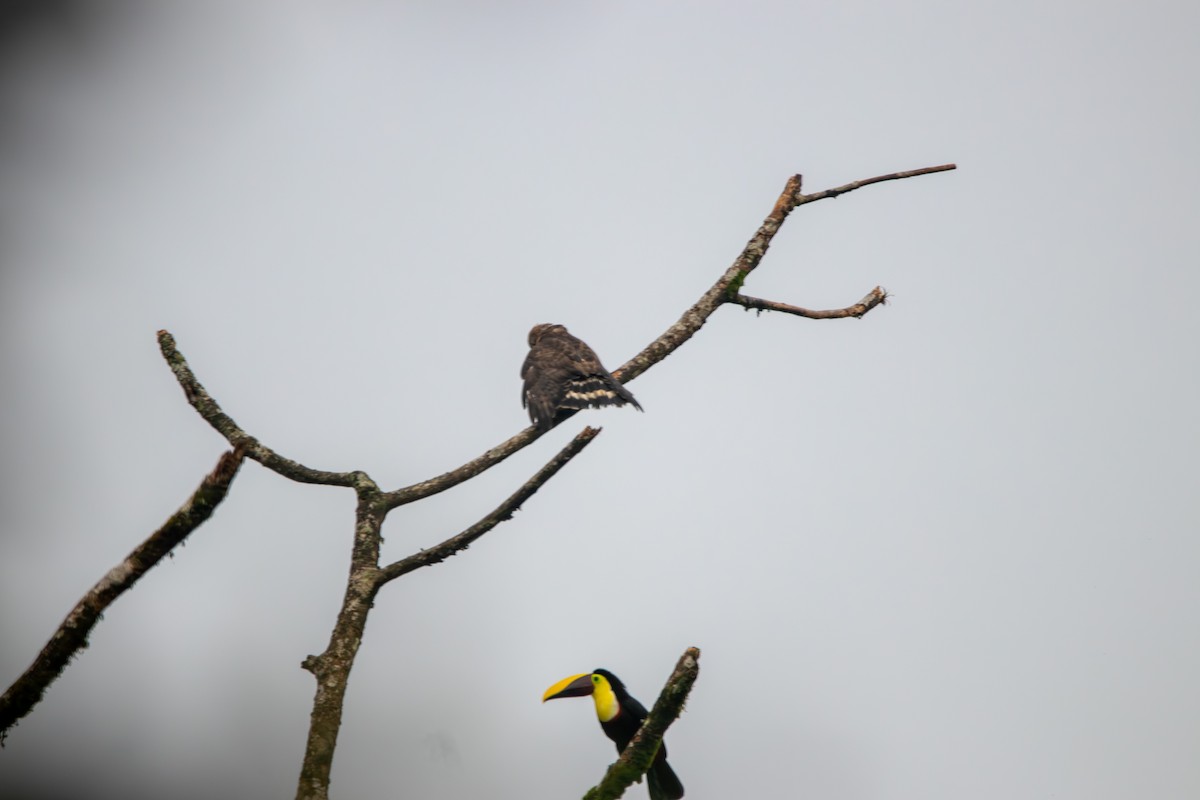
{"x": 620, "y": 717}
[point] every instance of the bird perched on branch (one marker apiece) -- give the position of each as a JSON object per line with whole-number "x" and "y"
{"x": 563, "y": 375}
{"x": 620, "y": 717}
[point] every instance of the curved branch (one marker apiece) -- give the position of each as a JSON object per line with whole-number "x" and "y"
{"x": 639, "y": 753}
{"x": 202, "y": 401}
{"x": 72, "y": 634}
{"x": 448, "y": 480}
{"x": 458, "y": 543}
{"x": 876, "y": 297}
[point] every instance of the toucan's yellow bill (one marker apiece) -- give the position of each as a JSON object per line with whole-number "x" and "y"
{"x": 574, "y": 686}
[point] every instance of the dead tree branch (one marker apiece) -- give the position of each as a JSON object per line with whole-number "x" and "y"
{"x": 72, "y": 634}
{"x": 477, "y": 465}
{"x": 504, "y": 511}
{"x": 725, "y": 290}
{"x": 877, "y": 296}
{"x": 639, "y": 753}
{"x": 207, "y": 407}
{"x": 801, "y": 199}
{"x": 332, "y": 667}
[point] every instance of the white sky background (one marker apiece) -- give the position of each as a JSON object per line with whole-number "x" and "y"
{"x": 946, "y": 551}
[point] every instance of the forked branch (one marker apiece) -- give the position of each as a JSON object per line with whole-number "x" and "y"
{"x": 725, "y": 290}
{"x": 332, "y": 668}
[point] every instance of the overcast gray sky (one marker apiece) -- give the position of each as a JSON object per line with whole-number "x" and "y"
{"x": 947, "y": 551}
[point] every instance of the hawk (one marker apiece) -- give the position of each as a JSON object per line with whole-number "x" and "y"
{"x": 563, "y": 375}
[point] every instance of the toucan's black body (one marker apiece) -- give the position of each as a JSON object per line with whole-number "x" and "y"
{"x": 622, "y": 728}
{"x": 622, "y": 725}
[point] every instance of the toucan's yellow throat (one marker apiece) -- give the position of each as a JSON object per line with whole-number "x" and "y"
{"x": 584, "y": 684}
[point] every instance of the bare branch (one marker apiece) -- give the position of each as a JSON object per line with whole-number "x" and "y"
{"x": 504, "y": 511}
{"x": 726, "y": 289}
{"x": 875, "y": 297}
{"x": 801, "y": 199}
{"x": 639, "y": 753}
{"x": 448, "y": 480}
{"x": 212, "y": 413}
{"x": 72, "y": 634}
{"x": 332, "y": 667}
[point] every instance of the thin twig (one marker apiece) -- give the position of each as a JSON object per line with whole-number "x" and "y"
{"x": 639, "y": 753}
{"x": 877, "y": 296}
{"x": 504, "y": 511}
{"x": 801, "y": 199}
{"x": 207, "y": 407}
{"x": 72, "y": 634}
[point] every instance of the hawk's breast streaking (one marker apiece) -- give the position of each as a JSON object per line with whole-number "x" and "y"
{"x": 563, "y": 375}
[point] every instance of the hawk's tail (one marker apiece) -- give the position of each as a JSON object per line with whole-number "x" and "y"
{"x": 593, "y": 391}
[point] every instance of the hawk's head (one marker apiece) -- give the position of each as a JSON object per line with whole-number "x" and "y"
{"x": 538, "y": 331}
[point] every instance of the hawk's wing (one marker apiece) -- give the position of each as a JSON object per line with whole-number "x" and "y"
{"x": 543, "y": 387}
{"x": 554, "y": 363}
{"x": 563, "y": 374}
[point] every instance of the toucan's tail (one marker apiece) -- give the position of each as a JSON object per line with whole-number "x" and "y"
{"x": 663, "y": 782}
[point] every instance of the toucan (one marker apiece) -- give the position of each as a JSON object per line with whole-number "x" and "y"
{"x": 620, "y": 717}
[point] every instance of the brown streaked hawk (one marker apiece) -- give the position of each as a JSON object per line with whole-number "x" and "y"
{"x": 563, "y": 375}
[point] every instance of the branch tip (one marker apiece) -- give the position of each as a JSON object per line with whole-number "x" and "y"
{"x": 875, "y": 297}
